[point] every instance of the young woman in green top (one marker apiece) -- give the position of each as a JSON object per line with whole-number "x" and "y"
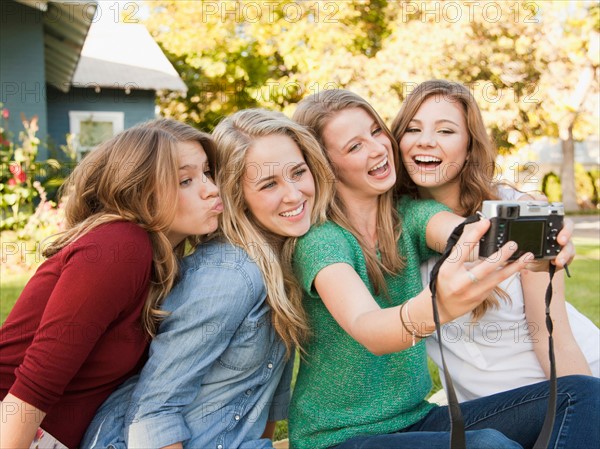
{"x": 363, "y": 378}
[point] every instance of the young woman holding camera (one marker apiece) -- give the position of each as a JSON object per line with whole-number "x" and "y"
{"x": 503, "y": 343}
{"x": 82, "y": 324}
{"x": 363, "y": 380}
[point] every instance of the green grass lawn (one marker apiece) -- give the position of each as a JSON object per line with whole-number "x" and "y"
{"x": 582, "y": 290}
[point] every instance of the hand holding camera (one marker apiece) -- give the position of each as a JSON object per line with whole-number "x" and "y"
{"x": 537, "y": 227}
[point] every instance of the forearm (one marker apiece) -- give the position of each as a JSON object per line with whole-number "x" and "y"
{"x": 19, "y": 423}
{"x": 384, "y": 331}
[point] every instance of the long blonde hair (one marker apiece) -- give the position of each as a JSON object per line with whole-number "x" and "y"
{"x": 315, "y": 112}
{"x": 234, "y": 136}
{"x": 133, "y": 177}
{"x": 476, "y": 177}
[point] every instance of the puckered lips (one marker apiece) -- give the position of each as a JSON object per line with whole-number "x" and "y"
{"x": 294, "y": 214}
{"x": 426, "y": 162}
{"x": 381, "y": 170}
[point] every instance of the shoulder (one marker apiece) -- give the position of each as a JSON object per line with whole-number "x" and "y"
{"x": 328, "y": 232}
{"x": 325, "y": 239}
{"x": 120, "y": 243}
{"x": 230, "y": 263}
{"x": 508, "y": 193}
{"x": 217, "y": 276}
{"x": 117, "y": 230}
{"x": 418, "y": 211}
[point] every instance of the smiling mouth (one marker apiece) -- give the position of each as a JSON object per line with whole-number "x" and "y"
{"x": 427, "y": 162}
{"x": 379, "y": 168}
{"x": 295, "y": 212}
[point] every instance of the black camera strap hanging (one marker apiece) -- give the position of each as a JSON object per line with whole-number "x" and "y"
{"x": 457, "y": 425}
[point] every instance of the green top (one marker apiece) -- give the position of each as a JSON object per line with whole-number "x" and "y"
{"x": 342, "y": 389}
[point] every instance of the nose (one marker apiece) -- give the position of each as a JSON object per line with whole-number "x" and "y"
{"x": 426, "y": 139}
{"x": 209, "y": 189}
{"x": 292, "y": 192}
{"x": 378, "y": 148}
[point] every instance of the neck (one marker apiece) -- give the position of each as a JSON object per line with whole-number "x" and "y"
{"x": 448, "y": 195}
{"x": 362, "y": 213}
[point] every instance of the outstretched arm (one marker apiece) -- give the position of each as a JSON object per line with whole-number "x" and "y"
{"x": 380, "y": 330}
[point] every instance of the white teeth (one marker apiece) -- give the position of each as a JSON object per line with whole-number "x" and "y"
{"x": 385, "y": 161}
{"x": 294, "y": 212}
{"x": 427, "y": 159}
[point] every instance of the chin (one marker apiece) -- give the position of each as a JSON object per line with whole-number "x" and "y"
{"x": 296, "y": 231}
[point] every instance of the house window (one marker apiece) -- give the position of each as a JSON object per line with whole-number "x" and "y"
{"x": 94, "y": 127}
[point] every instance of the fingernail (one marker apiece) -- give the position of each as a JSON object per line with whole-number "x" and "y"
{"x": 528, "y": 257}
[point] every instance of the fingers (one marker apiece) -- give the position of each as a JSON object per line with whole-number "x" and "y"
{"x": 496, "y": 263}
{"x": 564, "y": 238}
{"x": 566, "y": 255}
{"x": 461, "y": 289}
{"x": 566, "y": 233}
{"x": 468, "y": 242}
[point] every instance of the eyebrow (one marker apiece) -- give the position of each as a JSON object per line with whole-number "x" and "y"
{"x": 188, "y": 167}
{"x": 437, "y": 121}
{"x": 269, "y": 178}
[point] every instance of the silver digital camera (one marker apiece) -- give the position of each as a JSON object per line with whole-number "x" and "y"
{"x": 534, "y": 225}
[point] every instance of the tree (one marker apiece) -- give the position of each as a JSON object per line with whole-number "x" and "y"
{"x": 531, "y": 65}
{"x": 240, "y": 54}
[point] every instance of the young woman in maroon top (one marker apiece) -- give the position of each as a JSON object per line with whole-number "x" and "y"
{"x": 82, "y": 324}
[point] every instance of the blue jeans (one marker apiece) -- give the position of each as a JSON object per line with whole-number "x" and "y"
{"x": 515, "y": 415}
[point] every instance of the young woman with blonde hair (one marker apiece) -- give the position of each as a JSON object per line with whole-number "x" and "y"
{"x": 82, "y": 324}
{"x": 220, "y": 366}
{"x": 503, "y": 343}
{"x": 363, "y": 380}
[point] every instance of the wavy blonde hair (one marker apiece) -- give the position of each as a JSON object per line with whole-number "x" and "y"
{"x": 477, "y": 175}
{"x": 315, "y": 112}
{"x": 234, "y": 136}
{"x": 134, "y": 177}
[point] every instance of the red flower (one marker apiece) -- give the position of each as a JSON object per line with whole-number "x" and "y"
{"x": 12, "y": 182}
{"x": 15, "y": 168}
{"x": 18, "y": 173}
{"x": 5, "y": 114}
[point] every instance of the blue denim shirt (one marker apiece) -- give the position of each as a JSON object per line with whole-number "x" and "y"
{"x": 216, "y": 370}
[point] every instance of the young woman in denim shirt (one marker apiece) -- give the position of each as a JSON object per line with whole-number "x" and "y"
{"x": 364, "y": 378}
{"x": 220, "y": 366}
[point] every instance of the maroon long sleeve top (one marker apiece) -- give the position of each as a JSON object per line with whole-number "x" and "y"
{"x": 75, "y": 333}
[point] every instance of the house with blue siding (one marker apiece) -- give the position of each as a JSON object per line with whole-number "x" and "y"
{"x": 78, "y": 75}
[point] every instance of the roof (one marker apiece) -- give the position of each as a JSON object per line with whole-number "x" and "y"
{"x": 124, "y": 56}
{"x": 66, "y": 24}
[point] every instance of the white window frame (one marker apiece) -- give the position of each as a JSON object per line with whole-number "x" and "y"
{"x": 76, "y": 117}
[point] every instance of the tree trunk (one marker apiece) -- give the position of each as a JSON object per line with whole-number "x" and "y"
{"x": 567, "y": 171}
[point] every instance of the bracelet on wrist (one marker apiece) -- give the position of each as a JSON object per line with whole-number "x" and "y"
{"x": 413, "y": 332}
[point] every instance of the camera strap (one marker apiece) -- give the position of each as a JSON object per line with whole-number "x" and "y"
{"x": 457, "y": 424}
{"x": 546, "y": 432}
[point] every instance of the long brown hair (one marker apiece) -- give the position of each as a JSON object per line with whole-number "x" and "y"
{"x": 234, "y": 136}
{"x": 315, "y": 112}
{"x": 477, "y": 175}
{"x": 134, "y": 177}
